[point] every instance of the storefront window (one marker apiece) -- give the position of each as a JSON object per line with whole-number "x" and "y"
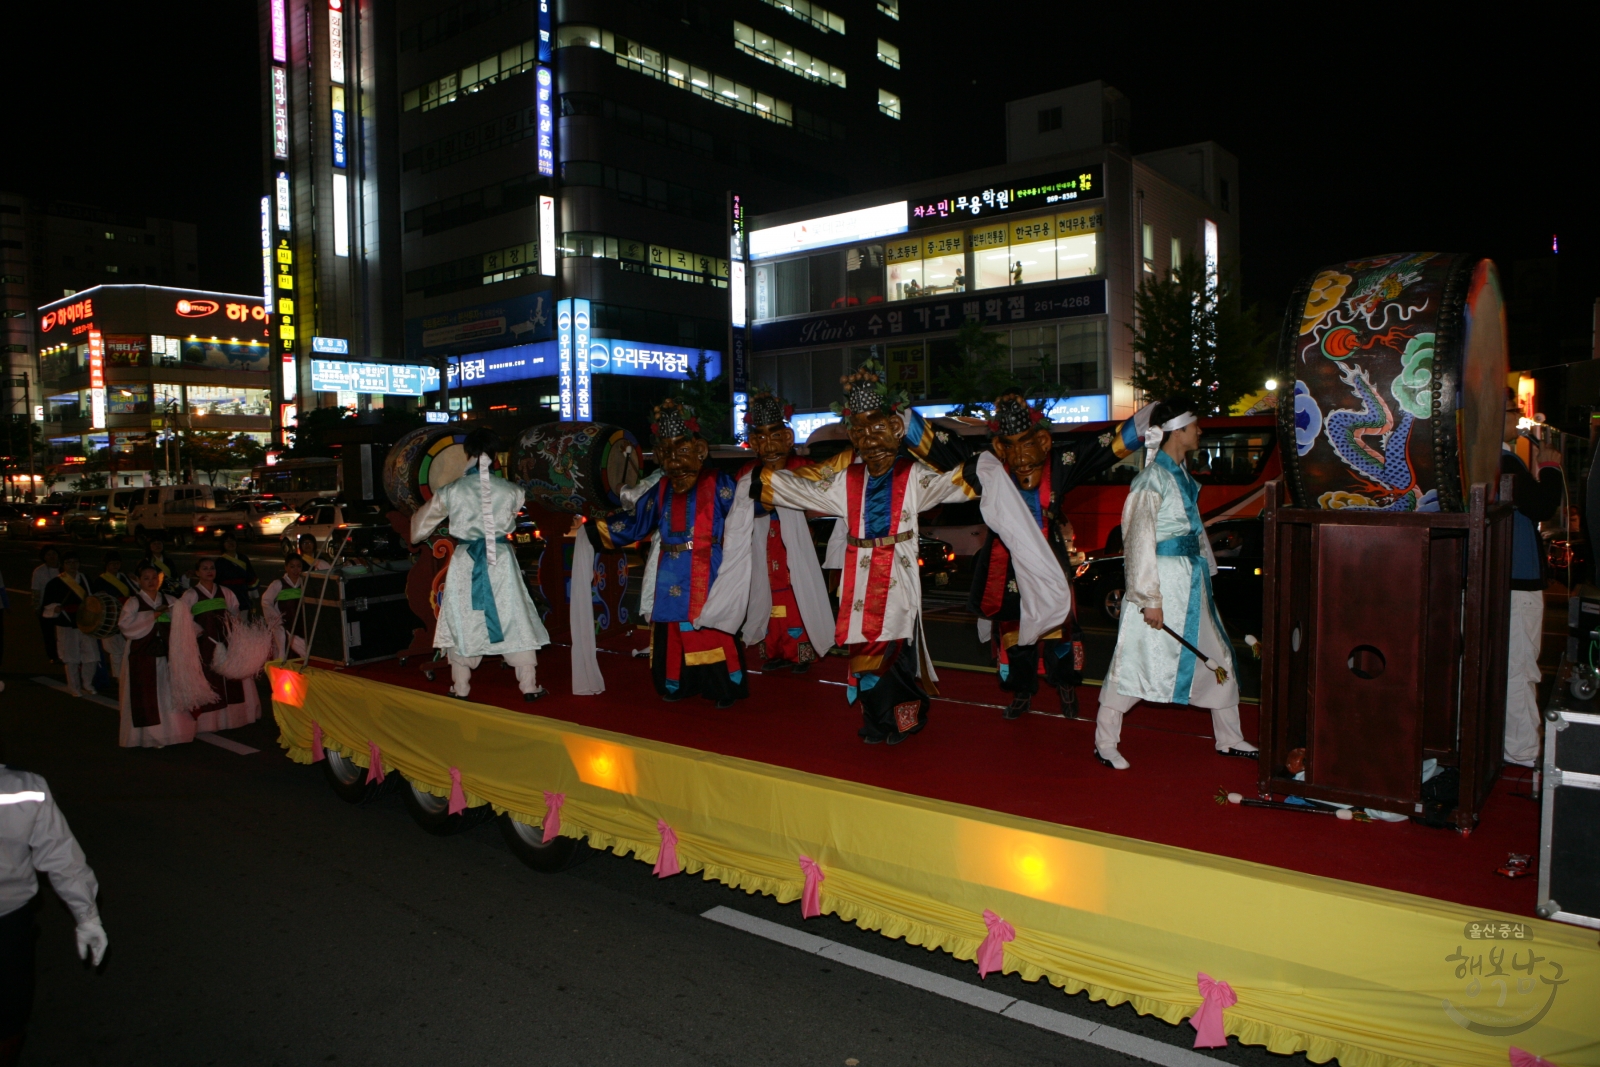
{"x": 863, "y": 275}
{"x": 1033, "y": 354}
{"x": 1082, "y": 355}
{"x": 991, "y": 257}
{"x": 129, "y": 399}
{"x": 168, "y": 398}
{"x": 944, "y": 264}
{"x": 228, "y": 400}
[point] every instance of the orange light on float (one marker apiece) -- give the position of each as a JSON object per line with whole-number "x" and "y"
{"x": 602, "y": 763}
{"x": 288, "y": 687}
{"x": 1069, "y": 873}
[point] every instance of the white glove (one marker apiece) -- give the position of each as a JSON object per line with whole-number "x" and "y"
{"x": 51, "y": 610}
{"x": 92, "y": 938}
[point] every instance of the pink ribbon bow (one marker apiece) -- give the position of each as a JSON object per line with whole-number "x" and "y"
{"x": 458, "y": 796}
{"x": 667, "y": 861}
{"x": 317, "y": 755}
{"x": 811, "y": 895}
{"x": 1523, "y": 1058}
{"x": 552, "y": 814}
{"x": 375, "y": 765}
{"x": 991, "y": 953}
{"x": 1207, "y": 1022}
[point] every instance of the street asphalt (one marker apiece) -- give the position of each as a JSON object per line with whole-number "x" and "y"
{"x": 255, "y": 918}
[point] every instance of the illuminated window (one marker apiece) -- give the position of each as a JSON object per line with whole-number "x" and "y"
{"x": 1148, "y": 247}
{"x": 888, "y": 103}
{"x": 111, "y": 268}
{"x": 230, "y": 400}
{"x": 110, "y": 236}
{"x": 518, "y": 59}
{"x": 1177, "y": 253}
{"x": 888, "y": 54}
{"x": 786, "y": 56}
{"x": 658, "y": 261}
{"x": 676, "y": 73}
{"x": 890, "y": 8}
{"x": 814, "y": 15}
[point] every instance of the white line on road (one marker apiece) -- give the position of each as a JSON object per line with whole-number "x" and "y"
{"x": 226, "y": 742}
{"x": 1022, "y": 1011}
{"x": 62, "y": 687}
{"x": 209, "y": 738}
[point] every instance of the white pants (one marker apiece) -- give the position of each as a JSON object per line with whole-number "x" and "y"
{"x": 1225, "y": 731}
{"x": 526, "y": 665}
{"x": 1522, "y": 675}
{"x": 80, "y": 676}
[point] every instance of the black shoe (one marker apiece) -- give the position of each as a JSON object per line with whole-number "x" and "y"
{"x": 801, "y": 668}
{"x": 1241, "y": 753}
{"x": 899, "y": 736}
{"x": 672, "y": 697}
{"x": 536, "y": 694}
{"x": 726, "y": 702}
{"x": 1069, "y": 701}
{"x": 774, "y": 665}
{"x": 874, "y": 739}
{"x": 1018, "y": 708}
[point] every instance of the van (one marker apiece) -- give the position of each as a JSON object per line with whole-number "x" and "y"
{"x": 99, "y": 514}
{"x": 166, "y": 511}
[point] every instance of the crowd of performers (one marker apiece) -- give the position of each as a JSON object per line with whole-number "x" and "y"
{"x": 730, "y": 564}
{"x": 167, "y": 656}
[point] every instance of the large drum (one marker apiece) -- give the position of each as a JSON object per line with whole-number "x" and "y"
{"x": 576, "y": 467}
{"x": 99, "y": 615}
{"x": 423, "y": 462}
{"x": 1397, "y": 365}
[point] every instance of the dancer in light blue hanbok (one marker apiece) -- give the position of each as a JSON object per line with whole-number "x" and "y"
{"x": 1168, "y": 564}
{"x": 485, "y": 609}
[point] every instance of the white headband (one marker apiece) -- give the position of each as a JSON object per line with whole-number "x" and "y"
{"x": 1153, "y": 436}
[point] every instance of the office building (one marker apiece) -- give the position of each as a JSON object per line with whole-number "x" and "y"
{"x": 1046, "y": 250}
{"x": 510, "y": 157}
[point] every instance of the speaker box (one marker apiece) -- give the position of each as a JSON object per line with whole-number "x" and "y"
{"x": 363, "y": 617}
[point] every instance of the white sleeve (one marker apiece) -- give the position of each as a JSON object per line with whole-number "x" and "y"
{"x": 1141, "y": 579}
{"x": 1046, "y": 596}
{"x": 833, "y": 559}
{"x": 725, "y": 604}
{"x": 269, "y": 604}
{"x": 630, "y": 494}
{"x": 56, "y": 852}
{"x": 941, "y": 487}
{"x": 133, "y": 622}
{"x": 803, "y": 494}
{"x": 427, "y": 518}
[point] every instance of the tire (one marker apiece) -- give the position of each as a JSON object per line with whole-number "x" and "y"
{"x": 528, "y": 845}
{"x": 349, "y": 781}
{"x": 433, "y": 813}
{"x": 1111, "y": 603}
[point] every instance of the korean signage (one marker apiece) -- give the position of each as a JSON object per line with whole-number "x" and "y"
{"x": 885, "y": 322}
{"x": 77, "y": 311}
{"x": 1051, "y": 189}
{"x": 97, "y": 381}
{"x": 907, "y": 368}
{"x": 581, "y": 385}
{"x": 543, "y": 97}
{"x": 504, "y": 365}
{"x": 280, "y": 113}
{"x": 283, "y": 200}
{"x": 158, "y": 310}
{"x": 606, "y": 356}
{"x": 861, "y": 225}
{"x": 544, "y": 30}
{"x": 392, "y": 379}
{"x": 336, "y": 41}
{"x": 337, "y": 126}
{"x": 564, "y": 358}
{"x": 336, "y": 346}
{"x": 266, "y": 252}
{"x": 610, "y": 356}
{"x": 280, "y": 32}
{"x": 516, "y": 320}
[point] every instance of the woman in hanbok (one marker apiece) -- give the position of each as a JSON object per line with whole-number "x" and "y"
{"x": 1168, "y": 566}
{"x": 63, "y": 596}
{"x": 280, "y": 606}
{"x": 485, "y": 609}
{"x": 211, "y": 604}
{"x": 148, "y": 720}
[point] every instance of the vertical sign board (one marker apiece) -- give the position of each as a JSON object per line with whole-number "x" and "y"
{"x": 738, "y": 354}
{"x": 280, "y": 32}
{"x": 564, "y": 357}
{"x": 97, "y": 380}
{"x": 267, "y": 294}
{"x": 547, "y": 143}
{"x": 282, "y": 188}
{"x": 337, "y": 126}
{"x": 581, "y": 383}
{"x": 280, "y": 113}
{"x": 336, "y": 41}
{"x": 544, "y": 31}
{"x": 547, "y": 236}
{"x": 341, "y": 215}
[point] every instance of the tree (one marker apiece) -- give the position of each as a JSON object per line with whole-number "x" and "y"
{"x": 211, "y": 451}
{"x": 311, "y": 432}
{"x": 1195, "y": 338}
{"x": 706, "y": 398}
{"x": 984, "y": 371}
{"x": 88, "y": 481}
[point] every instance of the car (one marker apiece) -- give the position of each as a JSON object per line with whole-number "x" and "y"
{"x": 13, "y": 514}
{"x": 1099, "y": 583}
{"x": 320, "y": 518}
{"x": 41, "y": 520}
{"x": 249, "y": 518}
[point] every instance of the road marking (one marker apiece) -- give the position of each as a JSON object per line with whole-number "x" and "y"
{"x": 226, "y": 743}
{"x": 1022, "y": 1011}
{"x": 106, "y": 702}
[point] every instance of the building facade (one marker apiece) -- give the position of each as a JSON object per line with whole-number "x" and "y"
{"x": 514, "y": 154}
{"x": 1046, "y": 251}
{"x": 126, "y": 366}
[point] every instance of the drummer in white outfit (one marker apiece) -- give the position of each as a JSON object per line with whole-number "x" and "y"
{"x": 63, "y": 596}
{"x": 144, "y": 671}
{"x": 1167, "y": 565}
{"x": 485, "y": 609}
{"x": 111, "y": 580}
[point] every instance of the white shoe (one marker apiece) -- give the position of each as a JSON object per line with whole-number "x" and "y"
{"x": 1111, "y": 758}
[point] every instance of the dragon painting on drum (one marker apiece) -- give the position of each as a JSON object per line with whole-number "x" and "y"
{"x": 1398, "y": 364}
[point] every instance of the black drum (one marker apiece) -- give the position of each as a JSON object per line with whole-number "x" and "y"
{"x": 423, "y": 462}
{"x": 100, "y": 615}
{"x": 1394, "y": 383}
{"x": 577, "y": 467}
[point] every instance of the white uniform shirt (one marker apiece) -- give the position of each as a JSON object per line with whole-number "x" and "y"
{"x": 34, "y": 837}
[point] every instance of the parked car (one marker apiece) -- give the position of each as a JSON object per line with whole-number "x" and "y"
{"x": 1237, "y": 586}
{"x": 320, "y": 518}
{"x": 44, "y": 521}
{"x": 249, "y": 518}
{"x": 14, "y": 516}
{"x": 100, "y": 514}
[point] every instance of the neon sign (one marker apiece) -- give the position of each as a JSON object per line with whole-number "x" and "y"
{"x": 336, "y": 41}
{"x": 582, "y": 385}
{"x": 78, "y": 312}
{"x": 280, "y": 33}
{"x": 547, "y": 152}
{"x": 197, "y": 309}
{"x": 266, "y": 253}
{"x": 564, "y": 357}
{"x": 338, "y": 126}
{"x": 97, "y": 380}
{"x": 283, "y": 200}
{"x": 280, "y": 113}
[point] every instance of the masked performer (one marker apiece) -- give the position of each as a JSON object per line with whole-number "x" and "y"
{"x": 880, "y": 590}
{"x": 211, "y": 604}
{"x": 789, "y": 613}
{"x": 280, "y": 607}
{"x": 148, "y": 720}
{"x": 1168, "y": 565}
{"x": 63, "y": 596}
{"x": 485, "y": 609}
{"x": 701, "y": 531}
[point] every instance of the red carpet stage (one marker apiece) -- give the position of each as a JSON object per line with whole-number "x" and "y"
{"x": 1040, "y": 767}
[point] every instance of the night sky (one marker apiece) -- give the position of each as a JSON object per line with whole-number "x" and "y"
{"x": 1358, "y": 131}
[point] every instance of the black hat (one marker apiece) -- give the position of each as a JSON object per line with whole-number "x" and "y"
{"x": 673, "y": 418}
{"x": 865, "y": 393}
{"x": 766, "y": 408}
{"x": 1013, "y": 414}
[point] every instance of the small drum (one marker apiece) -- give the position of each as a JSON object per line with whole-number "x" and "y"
{"x": 423, "y": 462}
{"x": 98, "y": 615}
{"x": 579, "y": 468}
{"x": 1398, "y": 369}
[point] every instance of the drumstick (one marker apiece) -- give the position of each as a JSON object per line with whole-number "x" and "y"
{"x": 1211, "y": 664}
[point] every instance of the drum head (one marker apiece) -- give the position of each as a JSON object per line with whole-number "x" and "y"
{"x": 441, "y": 465}
{"x": 91, "y": 614}
{"x": 1483, "y": 378}
{"x": 622, "y": 464}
